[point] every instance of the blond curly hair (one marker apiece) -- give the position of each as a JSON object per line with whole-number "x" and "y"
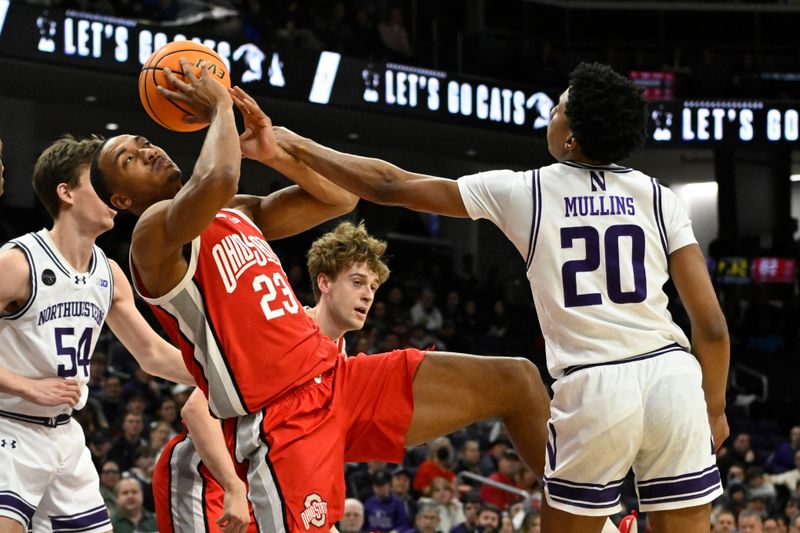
{"x": 343, "y": 247}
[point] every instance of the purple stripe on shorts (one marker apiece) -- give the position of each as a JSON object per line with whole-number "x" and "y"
{"x": 594, "y": 496}
{"x": 587, "y": 505}
{"x": 683, "y": 498}
{"x": 676, "y": 478}
{"x": 10, "y": 500}
{"x": 83, "y": 521}
{"x": 683, "y": 488}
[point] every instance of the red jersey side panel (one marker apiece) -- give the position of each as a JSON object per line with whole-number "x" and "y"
{"x": 243, "y": 333}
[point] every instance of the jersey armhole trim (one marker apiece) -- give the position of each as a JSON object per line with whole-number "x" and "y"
{"x": 110, "y": 281}
{"x": 33, "y": 281}
{"x": 187, "y": 278}
{"x": 536, "y": 216}
{"x": 659, "y": 216}
{"x": 242, "y": 215}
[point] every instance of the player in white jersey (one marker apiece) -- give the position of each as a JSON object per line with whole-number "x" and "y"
{"x": 346, "y": 267}
{"x": 599, "y": 241}
{"x": 57, "y": 291}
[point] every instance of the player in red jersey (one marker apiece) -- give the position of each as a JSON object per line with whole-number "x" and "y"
{"x": 346, "y": 268}
{"x": 200, "y": 256}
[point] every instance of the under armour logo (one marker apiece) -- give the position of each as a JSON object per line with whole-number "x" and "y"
{"x": 80, "y": 279}
{"x": 8, "y": 443}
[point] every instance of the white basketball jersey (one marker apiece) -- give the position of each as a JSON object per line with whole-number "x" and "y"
{"x": 56, "y": 330}
{"x": 596, "y": 242}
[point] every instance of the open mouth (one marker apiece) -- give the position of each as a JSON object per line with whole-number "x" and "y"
{"x": 361, "y": 311}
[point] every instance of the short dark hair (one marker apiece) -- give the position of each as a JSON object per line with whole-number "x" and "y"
{"x": 606, "y": 112}
{"x": 61, "y": 162}
{"x": 99, "y": 180}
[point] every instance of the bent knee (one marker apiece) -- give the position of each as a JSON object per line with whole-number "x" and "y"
{"x": 520, "y": 375}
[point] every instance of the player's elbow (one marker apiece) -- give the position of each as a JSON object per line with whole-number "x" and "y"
{"x": 713, "y": 328}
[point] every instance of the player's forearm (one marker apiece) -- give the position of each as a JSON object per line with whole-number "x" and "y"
{"x": 711, "y": 346}
{"x": 310, "y": 181}
{"x": 209, "y": 441}
{"x": 12, "y": 383}
{"x": 165, "y": 361}
{"x": 368, "y": 178}
{"x": 220, "y": 158}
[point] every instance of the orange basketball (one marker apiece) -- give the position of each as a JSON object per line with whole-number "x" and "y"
{"x": 166, "y": 111}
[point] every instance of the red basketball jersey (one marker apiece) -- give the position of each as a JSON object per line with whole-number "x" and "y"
{"x": 244, "y": 336}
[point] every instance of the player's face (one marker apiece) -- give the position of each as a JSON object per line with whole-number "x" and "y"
{"x": 351, "y": 294}
{"x": 88, "y": 206}
{"x": 138, "y": 171}
{"x": 558, "y": 131}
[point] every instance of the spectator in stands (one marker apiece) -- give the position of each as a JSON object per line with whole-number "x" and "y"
{"x": 750, "y": 522}
{"x": 735, "y": 497}
{"x": 735, "y": 473}
{"x": 770, "y": 525}
{"x": 427, "y": 520}
{"x": 353, "y": 517}
{"x": 160, "y": 433}
{"x": 506, "y": 524}
{"x": 497, "y": 446}
{"x": 725, "y": 522}
{"x": 791, "y": 507}
{"x": 144, "y": 461}
{"x": 97, "y": 374}
{"x": 469, "y": 460}
{"x": 472, "y": 506}
{"x": 788, "y": 479}
{"x": 531, "y": 523}
{"x": 452, "y": 308}
{"x": 360, "y": 480}
{"x": 131, "y": 517}
{"x": 438, "y": 465}
{"x": 109, "y": 477}
{"x": 401, "y": 487}
{"x": 757, "y": 504}
{"x": 364, "y": 38}
{"x": 498, "y": 328}
{"x": 794, "y": 526}
{"x": 168, "y": 413}
{"x": 783, "y": 523}
{"x": 507, "y": 468}
{"x": 385, "y": 512}
{"x": 757, "y": 486}
{"x": 451, "y": 511}
{"x": 394, "y": 36}
{"x": 425, "y": 313}
{"x": 99, "y": 447}
{"x": 739, "y": 452}
{"x": 111, "y": 398}
{"x": 782, "y": 459}
{"x": 124, "y": 446}
{"x": 489, "y": 518}
{"x": 395, "y": 306}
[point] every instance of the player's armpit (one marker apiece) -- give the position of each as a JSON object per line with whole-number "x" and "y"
{"x": 155, "y": 355}
{"x": 15, "y": 288}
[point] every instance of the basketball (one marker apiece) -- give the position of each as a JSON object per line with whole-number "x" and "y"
{"x": 166, "y": 111}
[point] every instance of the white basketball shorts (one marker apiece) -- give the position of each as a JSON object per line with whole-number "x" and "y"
{"x": 49, "y": 471}
{"x": 648, "y": 414}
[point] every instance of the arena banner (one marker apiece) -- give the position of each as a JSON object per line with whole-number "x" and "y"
{"x": 99, "y": 42}
{"x": 93, "y": 41}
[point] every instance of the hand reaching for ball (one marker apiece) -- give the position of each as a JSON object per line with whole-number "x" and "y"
{"x": 202, "y": 93}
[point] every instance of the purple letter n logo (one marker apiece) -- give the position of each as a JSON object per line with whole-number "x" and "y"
{"x": 598, "y": 180}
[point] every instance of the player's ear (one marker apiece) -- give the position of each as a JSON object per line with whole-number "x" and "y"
{"x": 120, "y": 201}
{"x": 324, "y": 283}
{"x": 64, "y": 193}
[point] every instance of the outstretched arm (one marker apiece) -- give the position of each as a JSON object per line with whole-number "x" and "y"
{"x": 710, "y": 342}
{"x": 293, "y": 209}
{"x": 155, "y": 355}
{"x": 376, "y": 180}
{"x": 209, "y": 441}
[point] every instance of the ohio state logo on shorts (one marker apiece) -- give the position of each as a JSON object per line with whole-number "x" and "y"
{"x": 316, "y": 511}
